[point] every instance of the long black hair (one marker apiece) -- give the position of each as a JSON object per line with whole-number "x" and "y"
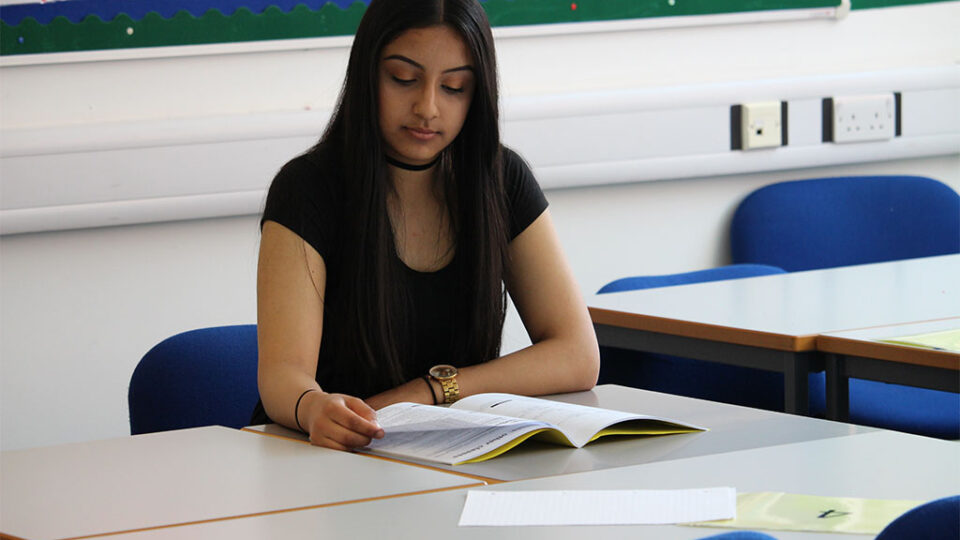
{"x": 369, "y": 305}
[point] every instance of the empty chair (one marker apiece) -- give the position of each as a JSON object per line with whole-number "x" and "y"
{"x": 828, "y": 222}
{"x": 197, "y": 378}
{"x": 686, "y": 376}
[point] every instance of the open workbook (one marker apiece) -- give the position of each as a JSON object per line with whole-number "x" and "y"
{"x": 483, "y": 426}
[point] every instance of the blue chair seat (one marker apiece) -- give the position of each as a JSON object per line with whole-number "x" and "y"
{"x": 733, "y": 271}
{"x": 905, "y": 408}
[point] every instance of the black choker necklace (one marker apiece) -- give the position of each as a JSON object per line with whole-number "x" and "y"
{"x": 409, "y": 167}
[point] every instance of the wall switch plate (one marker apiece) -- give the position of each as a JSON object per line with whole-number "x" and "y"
{"x": 761, "y": 124}
{"x": 864, "y": 118}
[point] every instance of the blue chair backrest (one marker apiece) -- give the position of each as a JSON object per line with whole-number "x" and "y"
{"x": 934, "y": 520}
{"x": 197, "y": 378}
{"x": 827, "y": 222}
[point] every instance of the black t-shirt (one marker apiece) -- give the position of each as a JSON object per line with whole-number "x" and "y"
{"x": 306, "y": 197}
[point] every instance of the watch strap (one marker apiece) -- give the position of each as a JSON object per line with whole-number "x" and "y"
{"x": 451, "y": 390}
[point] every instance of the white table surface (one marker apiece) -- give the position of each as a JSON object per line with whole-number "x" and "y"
{"x": 806, "y": 303}
{"x": 879, "y": 464}
{"x": 185, "y": 476}
{"x": 731, "y": 427}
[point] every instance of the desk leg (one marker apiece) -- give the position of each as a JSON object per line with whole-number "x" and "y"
{"x": 838, "y": 389}
{"x": 796, "y": 391}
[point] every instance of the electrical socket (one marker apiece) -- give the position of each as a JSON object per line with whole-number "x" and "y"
{"x": 762, "y": 124}
{"x": 862, "y": 118}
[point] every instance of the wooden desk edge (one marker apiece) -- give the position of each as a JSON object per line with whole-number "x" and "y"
{"x": 281, "y": 511}
{"x": 904, "y": 354}
{"x": 711, "y": 332}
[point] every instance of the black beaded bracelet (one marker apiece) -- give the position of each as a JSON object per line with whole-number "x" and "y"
{"x": 426, "y": 379}
{"x": 296, "y": 409}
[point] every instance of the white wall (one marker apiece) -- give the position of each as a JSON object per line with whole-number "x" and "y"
{"x": 78, "y": 308}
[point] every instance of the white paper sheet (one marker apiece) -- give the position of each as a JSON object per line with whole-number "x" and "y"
{"x": 598, "y": 507}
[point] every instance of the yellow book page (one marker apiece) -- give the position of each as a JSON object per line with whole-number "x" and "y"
{"x": 810, "y": 513}
{"x": 556, "y": 437}
{"x": 548, "y": 433}
{"x": 630, "y": 430}
{"x": 948, "y": 340}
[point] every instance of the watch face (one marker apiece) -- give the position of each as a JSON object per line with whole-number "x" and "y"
{"x": 443, "y": 371}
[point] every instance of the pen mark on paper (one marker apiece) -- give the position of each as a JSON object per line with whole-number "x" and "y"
{"x": 832, "y": 514}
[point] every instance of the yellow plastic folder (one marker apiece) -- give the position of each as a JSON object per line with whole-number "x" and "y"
{"x": 810, "y": 513}
{"x": 948, "y": 340}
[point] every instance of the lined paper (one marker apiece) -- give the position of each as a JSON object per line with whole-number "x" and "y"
{"x": 598, "y": 507}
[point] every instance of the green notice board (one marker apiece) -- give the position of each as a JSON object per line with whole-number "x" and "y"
{"x": 85, "y": 25}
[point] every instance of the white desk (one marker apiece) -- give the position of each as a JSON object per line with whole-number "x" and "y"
{"x": 731, "y": 428}
{"x": 187, "y": 476}
{"x": 858, "y": 354}
{"x": 880, "y": 464}
{"x": 772, "y": 322}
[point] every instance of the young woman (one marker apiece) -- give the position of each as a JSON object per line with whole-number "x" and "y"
{"x": 386, "y": 248}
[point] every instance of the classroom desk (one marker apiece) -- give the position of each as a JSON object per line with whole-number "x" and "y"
{"x": 187, "y": 476}
{"x": 858, "y": 354}
{"x": 772, "y": 322}
{"x": 731, "y": 428}
{"x": 867, "y": 465}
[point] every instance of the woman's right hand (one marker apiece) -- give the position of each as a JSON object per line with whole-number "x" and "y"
{"x": 338, "y": 421}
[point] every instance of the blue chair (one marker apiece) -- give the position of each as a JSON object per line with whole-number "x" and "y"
{"x": 740, "y": 535}
{"x": 198, "y": 378}
{"x": 828, "y": 222}
{"x": 935, "y": 520}
{"x": 685, "y": 376}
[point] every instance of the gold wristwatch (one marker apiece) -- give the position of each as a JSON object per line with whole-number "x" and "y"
{"x": 446, "y": 375}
